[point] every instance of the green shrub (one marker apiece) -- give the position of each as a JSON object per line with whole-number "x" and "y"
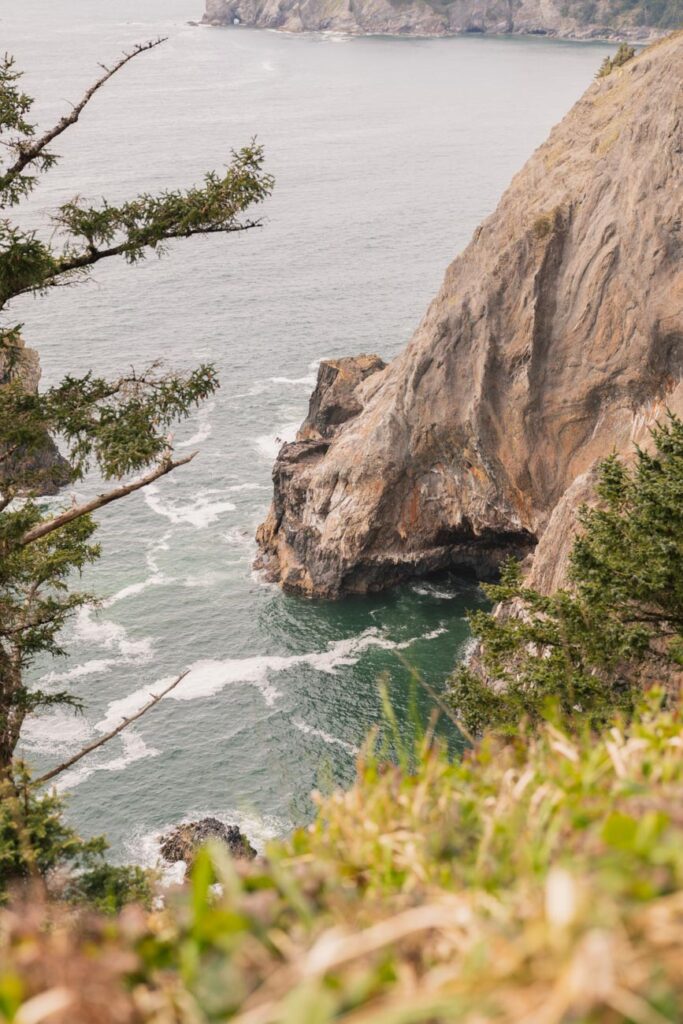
{"x": 109, "y": 887}
{"x": 624, "y": 54}
{"x": 582, "y": 649}
{"x": 34, "y": 838}
{"x": 37, "y": 846}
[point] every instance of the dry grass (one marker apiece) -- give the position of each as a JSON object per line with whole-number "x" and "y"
{"x": 540, "y": 880}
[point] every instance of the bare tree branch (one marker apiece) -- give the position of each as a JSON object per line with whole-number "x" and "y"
{"x": 30, "y": 152}
{"x": 123, "y": 724}
{"x": 68, "y": 516}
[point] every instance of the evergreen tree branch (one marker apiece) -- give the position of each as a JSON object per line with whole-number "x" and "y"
{"x": 68, "y": 516}
{"x": 28, "y": 153}
{"x": 123, "y": 724}
{"x": 92, "y": 256}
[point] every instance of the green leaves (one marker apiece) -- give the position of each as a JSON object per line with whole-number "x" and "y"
{"x": 624, "y": 54}
{"x": 15, "y": 132}
{"x": 116, "y": 428}
{"x": 578, "y": 652}
{"x": 149, "y": 221}
{"x": 26, "y": 263}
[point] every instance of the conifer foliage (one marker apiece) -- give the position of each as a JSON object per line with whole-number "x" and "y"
{"x": 116, "y": 428}
{"x": 588, "y": 648}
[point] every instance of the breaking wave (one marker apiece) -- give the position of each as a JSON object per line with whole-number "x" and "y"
{"x": 200, "y": 513}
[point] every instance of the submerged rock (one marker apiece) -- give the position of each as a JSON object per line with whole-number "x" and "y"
{"x": 183, "y": 841}
{"x": 556, "y": 338}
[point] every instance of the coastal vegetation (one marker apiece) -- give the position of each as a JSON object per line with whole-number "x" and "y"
{"x": 538, "y": 879}
{"x": 535, "y": 877}
{"x": 586, "y": 648}
{"x": 115, "y": 430}
{"x": 664, "y": 14}
{"x": 623, "y": 55}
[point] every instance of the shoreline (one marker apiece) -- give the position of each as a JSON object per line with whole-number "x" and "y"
{"x": 549, "y": 36}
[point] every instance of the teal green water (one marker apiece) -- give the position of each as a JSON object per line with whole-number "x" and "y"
{"x": 387, "y": 154}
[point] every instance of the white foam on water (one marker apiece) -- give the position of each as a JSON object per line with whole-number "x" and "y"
{"x": 200, "y": 513}
{"x": 208, "y": 677}
{"x": 44, "y": 734}
{"x": 134, "y": 749}
{"x": 468, "y": 649}
{"x": 106, "y": 634}
{"x": 311, "y": 730}
{"x": 439, "y": 631}
{"x": 269, "y": 445}
{"x": 204, "y": 427}
{"x": 102, "y": 632}
{"x": 162, "y": 544}
{"x": 430, "y": 590}
{"x": 87, "y": 668}
{"x": 239, "y": 537}
{"x": 112, "y": 636}
{"x": 157, "y": 580}
{"x": 144, "y": 849}
{"x": 250, "y": 487}
{"x": 308, "y": 381}
{"x": 205, "y": 579}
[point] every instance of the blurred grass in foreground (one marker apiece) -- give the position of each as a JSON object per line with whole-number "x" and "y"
{"x": 539, "y": 879}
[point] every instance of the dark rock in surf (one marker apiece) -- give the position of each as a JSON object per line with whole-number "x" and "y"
{"x": 184, "y": 841}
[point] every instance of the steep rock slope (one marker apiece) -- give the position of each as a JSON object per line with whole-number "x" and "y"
{"x": 556, "y": 338}
{"x": 49, "y": 469}
{"x": 579, "y": 20}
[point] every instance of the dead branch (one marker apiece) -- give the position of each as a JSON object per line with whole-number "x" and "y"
{"x": 68, "y": 516}
{"x": 29, "y": 153}
{"x": 109, "y": 736}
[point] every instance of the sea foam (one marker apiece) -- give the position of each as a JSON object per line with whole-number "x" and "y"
{"x": 200, "y": 513}
{"x": 208, "y": 677}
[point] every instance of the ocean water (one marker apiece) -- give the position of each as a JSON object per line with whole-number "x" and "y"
{"x": 387, "y": 154}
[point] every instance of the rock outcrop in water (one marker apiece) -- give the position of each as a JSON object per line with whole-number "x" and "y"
{"x": 556, "y": 338}
{"x": 601, "y": 19}
{"x": 183, "y": 841}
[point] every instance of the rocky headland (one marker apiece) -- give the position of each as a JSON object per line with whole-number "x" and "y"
{"x": 556, "y": 338}
{"x": 602, "y": 19}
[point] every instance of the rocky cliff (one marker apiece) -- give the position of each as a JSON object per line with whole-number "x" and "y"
{"x": 45, "y": 468}
{"x": 556, "y": 338}
{"x": 577, "y": 19}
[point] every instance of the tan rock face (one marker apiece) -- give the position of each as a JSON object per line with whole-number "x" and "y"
{"x": 556, "y": 338}
{"x": 421, "y": 18}
{"x": 21, "y": 365}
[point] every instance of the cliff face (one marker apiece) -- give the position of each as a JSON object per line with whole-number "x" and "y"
{"x": 46, "y": 467}
{"x": 603, "y": 19}
{"x": 556, "y": 338}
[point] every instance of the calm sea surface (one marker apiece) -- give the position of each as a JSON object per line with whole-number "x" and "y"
{"x": 387, "y": 154}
